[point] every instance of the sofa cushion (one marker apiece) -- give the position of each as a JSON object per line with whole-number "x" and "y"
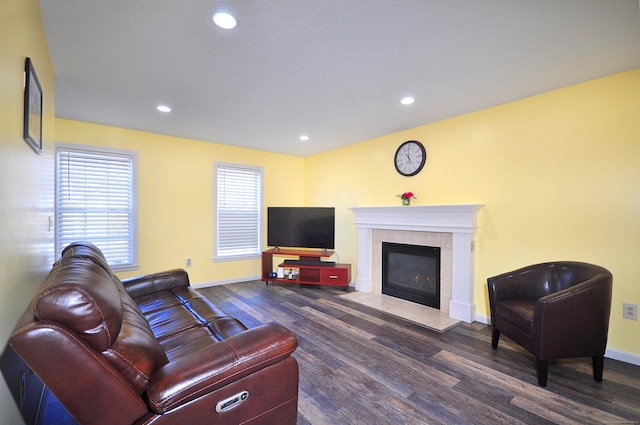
{"x": 183, "y": 309}
{"x": 157, "y": 301}
{"x": 135, "y": 353}
{"x": 184, "y": 343}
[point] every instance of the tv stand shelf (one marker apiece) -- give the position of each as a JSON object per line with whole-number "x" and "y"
{"x": 311, "y": 271}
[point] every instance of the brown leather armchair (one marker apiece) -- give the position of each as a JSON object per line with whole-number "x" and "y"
{"x": 554, "y": 310}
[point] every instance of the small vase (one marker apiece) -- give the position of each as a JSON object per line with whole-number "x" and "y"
{"x": 406, "y": 201}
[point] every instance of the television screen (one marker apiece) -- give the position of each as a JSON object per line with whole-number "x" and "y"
{"x": 301, "y": 227}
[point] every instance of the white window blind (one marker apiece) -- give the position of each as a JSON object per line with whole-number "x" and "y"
{"x": 238, "y": 211}
{"x": 95, "y": 201}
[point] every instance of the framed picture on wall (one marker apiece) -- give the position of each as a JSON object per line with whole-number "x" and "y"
{"x": 32, "y": 131}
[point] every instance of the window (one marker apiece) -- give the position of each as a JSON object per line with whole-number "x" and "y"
{"x": 238, "y": 211}
{"x": 96, "y": 201}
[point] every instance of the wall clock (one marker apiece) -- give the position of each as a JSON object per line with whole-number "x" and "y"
{"x": 410, "y": 158}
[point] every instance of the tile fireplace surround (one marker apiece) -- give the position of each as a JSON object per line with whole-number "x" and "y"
{"x": 450, "y": 227}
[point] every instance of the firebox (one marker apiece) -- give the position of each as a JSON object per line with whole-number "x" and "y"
{"x": 411, "y": 272}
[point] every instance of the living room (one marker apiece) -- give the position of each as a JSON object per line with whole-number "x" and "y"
{"x": 557, "y": 174}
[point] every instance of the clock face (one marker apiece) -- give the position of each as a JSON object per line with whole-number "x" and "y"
{"x": 410, "y": 158}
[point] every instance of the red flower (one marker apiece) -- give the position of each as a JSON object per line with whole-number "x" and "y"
{"x": 407, "y": 195}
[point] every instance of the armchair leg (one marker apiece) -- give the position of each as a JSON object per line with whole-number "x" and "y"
{"x": 495, "y": 336}
{"x": 543, "y": 370}
{"x": 598, "y": 367}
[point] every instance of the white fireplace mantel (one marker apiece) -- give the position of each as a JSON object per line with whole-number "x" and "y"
{"x": 459, "y": 220}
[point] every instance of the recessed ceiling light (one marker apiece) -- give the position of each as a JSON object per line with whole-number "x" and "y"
{"x": 224, "y": 20}
{"x": 408, "y": 100}
{"x": 304, "y": 138}
{"x": 163, "y": 108}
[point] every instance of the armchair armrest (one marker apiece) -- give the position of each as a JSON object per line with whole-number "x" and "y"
{"x": 156, "y": 282}
{"x": 577, "y": 317}
{"x": 206, "y": 370}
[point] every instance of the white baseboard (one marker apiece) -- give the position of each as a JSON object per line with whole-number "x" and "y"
{"x": 623, "y": 356}
{"x": 225, "y": 281}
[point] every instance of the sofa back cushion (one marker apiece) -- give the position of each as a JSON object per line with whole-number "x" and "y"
{"x": 88, "y": 251}
{"x": 83, "y": 295}
{"x": 80, "y": 295}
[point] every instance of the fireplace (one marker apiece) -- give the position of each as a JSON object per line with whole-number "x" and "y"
{"x": 455, "y": 223}
{"x": 411, "y": 272}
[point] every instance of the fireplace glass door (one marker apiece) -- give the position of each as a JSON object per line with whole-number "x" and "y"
{"x": 411, "y": 272}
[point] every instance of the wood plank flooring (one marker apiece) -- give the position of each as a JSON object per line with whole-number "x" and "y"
{"x": 362, "y": 366}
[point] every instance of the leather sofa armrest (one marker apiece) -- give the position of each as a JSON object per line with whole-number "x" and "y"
{"x": 156, "y": 282}
{"x": 89, "y": 387}
{"x": 206, "y": 370}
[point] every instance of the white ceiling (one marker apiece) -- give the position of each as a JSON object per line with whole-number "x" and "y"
{"x": 332, "y": 69}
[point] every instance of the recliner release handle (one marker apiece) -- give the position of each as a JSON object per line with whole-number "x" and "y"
{"x": 231, "y": 402}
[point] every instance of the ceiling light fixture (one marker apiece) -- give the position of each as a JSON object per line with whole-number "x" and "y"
{"x": 163, "y": 108}
{"x": 408, "y": 100}
{"x": 224, "y": 20}
{"x": 304, "y": 138}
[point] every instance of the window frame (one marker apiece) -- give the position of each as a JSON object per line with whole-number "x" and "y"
{"x": 260, "y": 220}
{"x": 133, "y": 229}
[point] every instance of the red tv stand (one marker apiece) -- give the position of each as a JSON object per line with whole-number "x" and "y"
{"x": 316, "y": 274}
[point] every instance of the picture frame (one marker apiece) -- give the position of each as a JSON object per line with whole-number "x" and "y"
{"x": 32, "y": 130}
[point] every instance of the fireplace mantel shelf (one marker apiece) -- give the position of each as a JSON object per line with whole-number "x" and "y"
{"x": 459, "y": 220}
{"x": 426, "y": 218}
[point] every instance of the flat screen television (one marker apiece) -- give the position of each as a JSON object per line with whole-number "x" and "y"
{"x": 301, "y": 227}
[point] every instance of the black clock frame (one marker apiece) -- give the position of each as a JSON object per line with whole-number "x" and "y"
{"x": 422, "y": 163}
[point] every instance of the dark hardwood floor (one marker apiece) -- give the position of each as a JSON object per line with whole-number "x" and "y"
{"x": 362, "y": 366}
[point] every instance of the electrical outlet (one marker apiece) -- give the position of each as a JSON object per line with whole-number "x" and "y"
{"x": 187, "y": 262}
{"x": 630, "y": 311}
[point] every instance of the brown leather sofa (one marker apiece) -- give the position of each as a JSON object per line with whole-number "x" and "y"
{"x": 150, "y": 350}
{"x": 554, "y": 310}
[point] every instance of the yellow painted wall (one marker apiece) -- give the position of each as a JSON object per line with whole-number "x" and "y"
{"x": 26, "y": 179}
{"x": 558, "y": 173}
{"x": 175, "y": 195}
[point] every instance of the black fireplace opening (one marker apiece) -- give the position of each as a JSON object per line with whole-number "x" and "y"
{"x": 411, "y": 272}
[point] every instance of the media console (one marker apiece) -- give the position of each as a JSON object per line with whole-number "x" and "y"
{"x": 311, "y": 268}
